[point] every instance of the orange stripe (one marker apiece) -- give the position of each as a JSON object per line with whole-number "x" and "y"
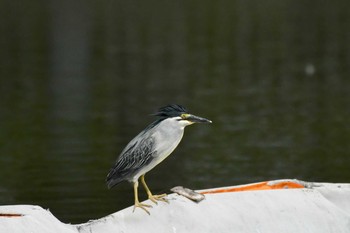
{"x": 258, "y": 186}
{"x": 10, "y": 215}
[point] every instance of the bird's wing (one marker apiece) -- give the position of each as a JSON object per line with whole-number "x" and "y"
{"x": 137, "y": 154}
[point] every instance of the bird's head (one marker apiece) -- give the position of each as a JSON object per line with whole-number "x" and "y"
{"x": 180, "y": 114}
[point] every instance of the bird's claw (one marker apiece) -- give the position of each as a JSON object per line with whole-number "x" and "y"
{"x": 155, "y": 198}
{"x": 142, "y": 206}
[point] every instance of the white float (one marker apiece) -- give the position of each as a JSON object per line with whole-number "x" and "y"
{"x": 276, "y": 206}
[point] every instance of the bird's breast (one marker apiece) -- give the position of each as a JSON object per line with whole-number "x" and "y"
{"x": 165, "y": 143}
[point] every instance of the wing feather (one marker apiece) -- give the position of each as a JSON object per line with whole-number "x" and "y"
{"x": 136, "y": 155}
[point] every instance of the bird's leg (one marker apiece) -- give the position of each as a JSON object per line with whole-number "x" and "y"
{"x": 153, "y": 198}
{"x": 137, "y": 203}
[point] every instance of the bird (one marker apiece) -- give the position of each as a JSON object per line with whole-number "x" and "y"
{"x": 149, "y": 148}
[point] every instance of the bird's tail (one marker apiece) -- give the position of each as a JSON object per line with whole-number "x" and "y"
{"x": 113, "y": 179}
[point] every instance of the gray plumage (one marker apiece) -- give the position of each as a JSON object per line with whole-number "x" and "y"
{"x": 137, "y": 154}
{"x": 152, "y": 145}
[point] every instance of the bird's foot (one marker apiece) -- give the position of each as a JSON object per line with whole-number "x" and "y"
{"x": 142, "y": 206}
{"x": 155, "y": 198}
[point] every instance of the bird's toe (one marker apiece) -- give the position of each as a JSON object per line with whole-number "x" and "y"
{"x": 161, "y": 197}
{"x": 142, "y": 206}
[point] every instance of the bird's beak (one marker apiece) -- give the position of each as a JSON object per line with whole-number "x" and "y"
{"x": 197, "y": 119}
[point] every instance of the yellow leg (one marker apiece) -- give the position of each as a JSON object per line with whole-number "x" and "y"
{"x": 153, "y": 198}
{"x": 137, "y": 203}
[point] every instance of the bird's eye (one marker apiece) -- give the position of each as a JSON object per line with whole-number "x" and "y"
{"x": 184, "y": 116}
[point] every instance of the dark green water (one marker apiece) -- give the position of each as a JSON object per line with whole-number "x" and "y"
{"x": 78, "y": 80}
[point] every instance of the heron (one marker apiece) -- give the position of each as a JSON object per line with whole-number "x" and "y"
{"x": 149, "y": 148}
